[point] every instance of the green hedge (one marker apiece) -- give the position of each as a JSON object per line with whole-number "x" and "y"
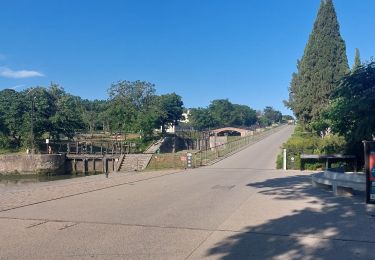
{"x": 303, "y": 142}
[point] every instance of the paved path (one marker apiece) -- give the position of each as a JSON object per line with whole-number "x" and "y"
{"x": 239, "y": 208}
{"x": 17, "y": 196}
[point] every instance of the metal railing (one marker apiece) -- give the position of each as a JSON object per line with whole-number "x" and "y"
{"x": 210, "y": 156}
{"x": 207, "y": 156}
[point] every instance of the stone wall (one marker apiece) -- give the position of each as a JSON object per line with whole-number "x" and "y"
{"x": 176, "y": 144}
{"x": 32, "y": 163}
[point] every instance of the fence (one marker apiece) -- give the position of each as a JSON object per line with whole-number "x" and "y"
{"x": 207, "y": 156}
{"x": 94, "y": 147}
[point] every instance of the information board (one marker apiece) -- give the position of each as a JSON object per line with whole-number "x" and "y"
{"x": 369, "y": 152}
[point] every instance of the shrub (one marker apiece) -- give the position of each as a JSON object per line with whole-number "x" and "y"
{"x": 302, "y": 142}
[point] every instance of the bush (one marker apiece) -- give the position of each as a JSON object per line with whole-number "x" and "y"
{"x": 279, "y": 161}
{"x": 331, "y": 144}
{"x": 303, "y": 142}
{"x": 5, "y": 142}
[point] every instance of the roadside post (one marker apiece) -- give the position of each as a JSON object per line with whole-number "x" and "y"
{"x": 47, "y": 144}
{"x": 284, "y": 159}
{"x": 369, "y": 152}
{"x": 189, "y": 160}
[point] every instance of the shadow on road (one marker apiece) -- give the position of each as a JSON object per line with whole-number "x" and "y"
{"x": 327, "y": 227}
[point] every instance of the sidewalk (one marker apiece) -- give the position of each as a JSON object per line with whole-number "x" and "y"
{"x": 34, "y": 193}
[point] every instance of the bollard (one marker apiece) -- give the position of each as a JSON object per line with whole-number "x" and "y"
{"x": 189, "y": 160}
{"x": 284, "y": 159}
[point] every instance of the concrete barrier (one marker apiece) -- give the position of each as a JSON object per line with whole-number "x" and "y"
{"x": 341, "y": 183}
{"x": 32, "y": 163}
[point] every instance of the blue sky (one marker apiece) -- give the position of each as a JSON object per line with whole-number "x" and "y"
{"x": 243, "y": 50}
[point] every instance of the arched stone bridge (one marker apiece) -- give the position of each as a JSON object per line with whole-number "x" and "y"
{"x": 242, "y": 132}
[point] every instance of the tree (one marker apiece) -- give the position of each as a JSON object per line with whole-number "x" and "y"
{"x": 222, "y": 112}
{"x": 243, "y": 115}
{"x": 13, "y": 106}
{"x": 67, "y": 113}
{"x": 55, "y": 113}
{"x": 104, "y": 116}
{"x": 169, "y": 109}
{"x": 357, "y": 60}
{"x": 92, "y": 114}
{"x": 44, "y": 109}
{"x": 68, "y": 118}
{"x": 137, "y": 93}
{"x": 148, "y": 120}
{"x": 126, "y": 100}
{"x": 272, "y": 115}
{"x": 323, "y": 64}
{"x": 352, "y": 111}
{"x": 264, "y": 121}
{"x": 201, "y": 118}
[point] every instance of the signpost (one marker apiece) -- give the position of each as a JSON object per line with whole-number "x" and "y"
{"x": 292, "y": 160}
{"x": 369, "y": 151}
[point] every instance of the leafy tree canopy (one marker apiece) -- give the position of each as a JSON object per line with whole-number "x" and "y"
{"x": 201, "y": 118}
{"x": 169, "y": 109}
{"x": 352, "y": 111}
{"x": 221, "y": 113}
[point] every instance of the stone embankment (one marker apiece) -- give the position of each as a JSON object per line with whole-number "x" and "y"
{"x": 32, "y": 163}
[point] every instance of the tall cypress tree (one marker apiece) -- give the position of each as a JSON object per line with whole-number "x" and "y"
{"x": 357, "y": 60}
{"x": 323, "y": 64}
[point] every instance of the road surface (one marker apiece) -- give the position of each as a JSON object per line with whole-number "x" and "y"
{"x": 239, "y": 208}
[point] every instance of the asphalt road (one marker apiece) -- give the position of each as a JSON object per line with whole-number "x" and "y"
{"x": 239, "y": 208}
